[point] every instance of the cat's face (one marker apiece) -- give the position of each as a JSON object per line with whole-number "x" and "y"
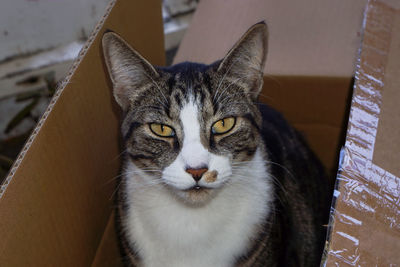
{"x": 184, "y": 128}
{"x": 190, "y": 126}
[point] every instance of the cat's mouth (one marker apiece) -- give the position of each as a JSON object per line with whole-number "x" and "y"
{"x": 198, "y": 188}
{"x": 197, "y": 192}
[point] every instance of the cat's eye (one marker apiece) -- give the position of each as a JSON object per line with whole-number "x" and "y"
{"x": 162, "y": 130}
{"x": 223, "y": 126}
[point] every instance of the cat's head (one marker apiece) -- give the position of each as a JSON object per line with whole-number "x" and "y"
{"x": 190, "y": 126}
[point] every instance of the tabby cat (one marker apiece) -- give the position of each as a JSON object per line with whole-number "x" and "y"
{"x": 210, "y": 177}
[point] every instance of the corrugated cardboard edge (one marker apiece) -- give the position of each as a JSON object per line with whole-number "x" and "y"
{"x": 53, "y": 101}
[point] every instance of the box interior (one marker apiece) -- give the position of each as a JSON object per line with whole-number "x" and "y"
{"x": 317, "y": 107}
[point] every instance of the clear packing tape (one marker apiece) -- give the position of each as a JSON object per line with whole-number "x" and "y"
{"x": 365, "y": 215}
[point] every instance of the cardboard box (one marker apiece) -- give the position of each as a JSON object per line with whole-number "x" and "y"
{"x": 365, "y": 227}
{"x": 56, "y": 204}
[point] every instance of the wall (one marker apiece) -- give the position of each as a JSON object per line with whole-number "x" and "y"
{"x": 27, "y": 26}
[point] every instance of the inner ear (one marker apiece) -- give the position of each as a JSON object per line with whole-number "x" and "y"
{"x": 244, "y": 63}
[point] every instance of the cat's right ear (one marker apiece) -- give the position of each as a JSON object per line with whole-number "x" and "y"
{"x": 244, "y": 63}
{"x": 128, "y": 70}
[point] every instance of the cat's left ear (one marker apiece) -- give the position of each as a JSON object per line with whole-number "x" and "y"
{"x": 130, "y": 73}
{"x": 244, "y": 63}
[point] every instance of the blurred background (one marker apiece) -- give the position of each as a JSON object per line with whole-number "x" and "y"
{"x": 39, "y": 40}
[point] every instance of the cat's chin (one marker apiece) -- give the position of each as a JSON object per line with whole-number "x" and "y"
{"x": 196, "y": 195}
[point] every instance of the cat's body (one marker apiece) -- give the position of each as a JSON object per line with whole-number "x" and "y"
{"x": 210, "y": 178}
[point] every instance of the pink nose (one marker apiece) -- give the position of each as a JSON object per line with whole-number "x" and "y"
{"x": 196, "y": 173}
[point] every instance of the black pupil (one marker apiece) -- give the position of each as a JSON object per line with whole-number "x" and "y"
{"x": 162, "y": 128}
{"x": 223, "y": 123}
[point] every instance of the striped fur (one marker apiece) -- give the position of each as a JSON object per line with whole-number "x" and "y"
{"x": 266, "y": 201}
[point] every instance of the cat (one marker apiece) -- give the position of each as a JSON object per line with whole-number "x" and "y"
{"x": 210, "y": 177}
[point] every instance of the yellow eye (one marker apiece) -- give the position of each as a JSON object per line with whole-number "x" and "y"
{"x": 223, "y": 126}
{"x": 162, "y": 130}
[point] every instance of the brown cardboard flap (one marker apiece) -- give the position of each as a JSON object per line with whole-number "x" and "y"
{"x": 308, "y": 37}
{"x": 366, "y": 222}
{"x": 57, "y": 200}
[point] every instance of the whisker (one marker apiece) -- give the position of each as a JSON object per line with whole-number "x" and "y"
{"x": 142, "y": 171}
{"x": 115, "y": 191}
{"x": 234, "y": 164}
{"x": 284, "y": 168}
{"x": 226, "y": 88}
{"x": 223, "y": 78}
{"x": 146, "y": 185}
{"x": 113, "y": 179}
{"x": 119, "y": 155}
{"x": 147, "y": 108}
{"x": 226, "y": 99}
{"x": 159, "y": 89}
{"x": 266, "y": 97}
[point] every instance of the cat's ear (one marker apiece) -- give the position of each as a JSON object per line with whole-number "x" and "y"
{"x": 244, "y": 63}
{"x": 128, "y": 70}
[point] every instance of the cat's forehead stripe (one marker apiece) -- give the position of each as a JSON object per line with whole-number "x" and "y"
{"x": 189, "y": 120}
{"x": 193, "y": 153}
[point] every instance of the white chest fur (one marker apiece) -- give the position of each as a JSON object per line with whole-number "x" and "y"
{"x": 169, "y": 233}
